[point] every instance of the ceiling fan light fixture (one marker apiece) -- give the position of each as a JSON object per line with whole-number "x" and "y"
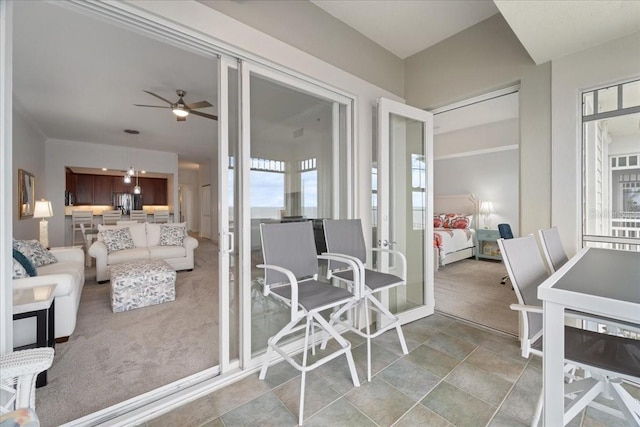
{"x": 180, "y": 110}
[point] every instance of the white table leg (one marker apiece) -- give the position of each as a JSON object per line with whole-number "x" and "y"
{"x": 553, "y": 363}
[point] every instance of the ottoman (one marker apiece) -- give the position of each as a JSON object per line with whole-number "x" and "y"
{"x": 142, "y": 283}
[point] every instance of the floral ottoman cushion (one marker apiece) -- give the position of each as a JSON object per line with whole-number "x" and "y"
{"x": 142, "y": 283}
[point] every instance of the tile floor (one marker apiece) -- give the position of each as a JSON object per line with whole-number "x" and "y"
{"x": 454, "y": 374}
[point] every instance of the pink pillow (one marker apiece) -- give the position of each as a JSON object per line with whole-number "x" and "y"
{"x": 460, "y": 221}
{"x": 438, "y": 221}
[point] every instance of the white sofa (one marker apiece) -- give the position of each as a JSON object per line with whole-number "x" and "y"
{"x": 68, "y": 275}
{"x": 146, "y": 239}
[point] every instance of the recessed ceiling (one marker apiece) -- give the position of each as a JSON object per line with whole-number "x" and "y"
{"x": 549, "y": 30}
{"x": 405, "y": 27}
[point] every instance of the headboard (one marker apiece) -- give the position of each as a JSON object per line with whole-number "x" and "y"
{"x": 457, "y": 203}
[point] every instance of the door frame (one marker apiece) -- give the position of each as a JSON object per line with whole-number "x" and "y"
{"x": 386, "y": 107}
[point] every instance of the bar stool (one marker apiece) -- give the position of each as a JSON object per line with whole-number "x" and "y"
{"x": 138, "y": 215}
{"x": 161, "y": 217}
{"x": 111, "y": 217}
{"x": 84, "y": 217}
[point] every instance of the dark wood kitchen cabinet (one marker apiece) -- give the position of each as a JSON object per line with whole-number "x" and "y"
{"x": 103, "y": 190}
{"x": 154, "y": 191}
{"x": 84, "y": 189}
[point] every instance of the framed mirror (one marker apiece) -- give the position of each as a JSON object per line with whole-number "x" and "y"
{"x": 26, "y": 194}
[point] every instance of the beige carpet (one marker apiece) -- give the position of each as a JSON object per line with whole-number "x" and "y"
{"x": 112, "y": 357}
{"x": 471, "y": 290}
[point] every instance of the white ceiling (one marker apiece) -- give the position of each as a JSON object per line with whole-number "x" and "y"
{"x": 497, "y": 109}
{"x": 547, "y": 29}
{"x": 405, "y": 27}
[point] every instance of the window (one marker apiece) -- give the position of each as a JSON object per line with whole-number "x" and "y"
{"x": 418, "y": 192}
{"x": 610, "y": 167}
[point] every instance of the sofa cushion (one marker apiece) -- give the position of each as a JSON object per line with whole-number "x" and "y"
{"x": 138, "y": 233}
{"x": 172, "y": 234}
{"x": 72, "y": 268}
{"x": 164, "y": 252}
{"x": 127, "y": 255}
{"x": 33, "y": 249}
{"x": 18, "y": 270}
{"x": 25, "y": 263}
{"x": 117, "y": 239}
{"x": 153, "y": 234}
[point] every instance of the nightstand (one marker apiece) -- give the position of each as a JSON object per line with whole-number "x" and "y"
{"x": 487, "y": 244}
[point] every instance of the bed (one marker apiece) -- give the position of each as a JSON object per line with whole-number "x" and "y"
{"x": 455, "y": 221}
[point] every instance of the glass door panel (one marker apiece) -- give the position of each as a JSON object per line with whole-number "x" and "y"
{"x": 294, "y": 169}
{"x": 404, "y": 196}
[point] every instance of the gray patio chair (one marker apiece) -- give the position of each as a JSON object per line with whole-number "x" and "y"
{"x": 552, "y": 248}
{"x": 291, "y": 275}
{"x": 607, "y": 360}
{"x": 344, "y": 237}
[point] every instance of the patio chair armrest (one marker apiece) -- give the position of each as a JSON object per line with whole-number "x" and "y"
{"x": 354, "y": 263}
{"x": 292, "y": 281}
{"x": 527, "y": 308}
{"x": 398, "y": 254}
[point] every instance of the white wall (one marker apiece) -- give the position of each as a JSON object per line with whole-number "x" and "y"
{"x": 628, "y": 144}
{"x": 492, "y": 136}
{"x": 28, "y": 154}
{"x": 493, "y": 177}
{"x": 81, "y": 154}
{"x": 189, "y": 178}
{"x": 608, "y": 63}
{"x": 486, "y": 57}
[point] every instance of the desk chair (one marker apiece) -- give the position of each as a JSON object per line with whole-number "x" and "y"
{"x": 607, "y": 360}
{"x": 291, "y": 275}
{"x": 345, "y": 238}
{"x": 505, "y": 233}
{"x": 79, "y": 217}
{"x": 111, "y": 217}
{"x": 552, "y": 248}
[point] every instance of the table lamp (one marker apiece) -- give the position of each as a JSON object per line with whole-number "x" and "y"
{"x": 43, "y": 210}
{"x": 486, "y": 209}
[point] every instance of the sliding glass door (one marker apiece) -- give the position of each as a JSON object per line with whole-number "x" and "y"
{"x": 294, "y": 166}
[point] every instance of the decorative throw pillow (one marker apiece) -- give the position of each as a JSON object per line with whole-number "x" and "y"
{"x": 26, "y": 264}
{"x": 172, "y": 235}
{"x": 33, "y": 249}
{"x": 457, "y": 221}
{"x": 19, "y": 271}
{"x": 117, "y": 239}
{"x": 438, "y": 221}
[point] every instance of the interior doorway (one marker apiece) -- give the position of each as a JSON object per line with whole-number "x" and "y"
{"x": 476, "y": 152}
{"x": 205, "y": 212}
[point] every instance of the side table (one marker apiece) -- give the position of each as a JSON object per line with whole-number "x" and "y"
{"x": 487, "y": 244}
{"x": 38, "y": 302}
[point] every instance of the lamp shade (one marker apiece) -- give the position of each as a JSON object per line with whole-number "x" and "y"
{"x": 486, "y": 208}
{"x": 43, "y": 209}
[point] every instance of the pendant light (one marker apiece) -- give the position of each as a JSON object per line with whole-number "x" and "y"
{"x": 131, "y": 170}
{"x": 136, "y": 189}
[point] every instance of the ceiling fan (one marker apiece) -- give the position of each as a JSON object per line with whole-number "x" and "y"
{"x": 180, "y": 109}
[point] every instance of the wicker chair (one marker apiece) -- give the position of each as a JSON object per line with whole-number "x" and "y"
{"x": 18, "y": 373}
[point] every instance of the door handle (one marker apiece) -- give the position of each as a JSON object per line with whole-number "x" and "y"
{"x": 384, "y": 243}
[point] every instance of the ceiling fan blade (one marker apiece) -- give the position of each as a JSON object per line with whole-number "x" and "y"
{"x": 201, "y": 104}
{"x": 158, "y": 96}
{"x": 208, "y": 116}
{"x": 181, "y": 119}
{"x": 154, "y": 106}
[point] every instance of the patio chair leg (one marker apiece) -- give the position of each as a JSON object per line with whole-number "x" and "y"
{"x": 627, "y": 404}
{"x": 538, "y": 412}
{"x": 394, "y": 318}
{"x": 272, "y": 343}
{"x": 368, "y": 329}
{"x": 344, "y": 344}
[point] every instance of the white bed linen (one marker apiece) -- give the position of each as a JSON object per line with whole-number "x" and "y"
{"x": 452, "y": 240}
